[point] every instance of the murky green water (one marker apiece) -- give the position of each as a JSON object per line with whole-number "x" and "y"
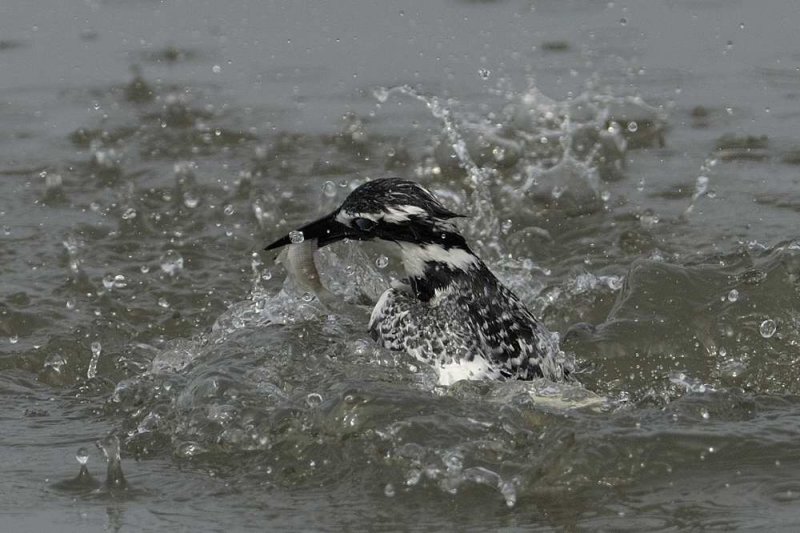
{"x": 631, "y": 171}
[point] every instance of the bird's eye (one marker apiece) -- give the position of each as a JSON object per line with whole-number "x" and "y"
{"x": 364, "y": 224}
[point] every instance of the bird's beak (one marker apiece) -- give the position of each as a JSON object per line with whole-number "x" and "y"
{"x": 326, "y": 230}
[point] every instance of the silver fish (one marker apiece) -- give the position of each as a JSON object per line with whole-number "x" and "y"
{"x": 300, "y": 262}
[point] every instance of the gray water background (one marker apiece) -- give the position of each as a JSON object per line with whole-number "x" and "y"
{"x": 166, "y": 143}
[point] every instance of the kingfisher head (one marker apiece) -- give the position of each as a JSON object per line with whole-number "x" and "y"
{"x": 401, "y": 212}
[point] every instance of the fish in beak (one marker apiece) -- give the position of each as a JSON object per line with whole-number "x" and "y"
{"x": 326, "y": 230}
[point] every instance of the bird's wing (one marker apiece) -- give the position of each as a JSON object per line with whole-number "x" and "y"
{"x": 428, "y": 332}
{"x": 521, "y": 343}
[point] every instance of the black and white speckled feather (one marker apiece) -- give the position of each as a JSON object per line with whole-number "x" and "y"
{"x": 454, "y": 313}
{"x": 472, "y": 327}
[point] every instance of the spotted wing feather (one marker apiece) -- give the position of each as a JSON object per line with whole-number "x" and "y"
{"x": 427, "y": 332}
{"x": 466, "y": 323}
{"x": 515, "y": 339}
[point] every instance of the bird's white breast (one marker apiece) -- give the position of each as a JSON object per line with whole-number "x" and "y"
{"x": 416, "y": 256}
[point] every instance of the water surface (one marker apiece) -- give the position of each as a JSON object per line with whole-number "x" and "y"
{"x": 627, "y": 166}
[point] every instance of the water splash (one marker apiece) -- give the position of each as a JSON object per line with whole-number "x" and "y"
{"x": 82, "y": 456}
{"x": 701, "y": 185}
{"x": 557, "y": 153}
{"x": 478, "y": 178}
{"x": 690, "y": 384}
{"x": 84, "y": 481}
{"x": 73, "y": 246}
{"x": 55, "y": 362}
{"x": 91, "y": 372}
{"x": 110, "y": 446}
{"x": 114, "y": 281}
{"x": 768, "y": 328}
{"x": 171, "y": 262}
{"x": 175, "y": 357}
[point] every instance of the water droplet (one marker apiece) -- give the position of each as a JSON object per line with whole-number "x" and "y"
{"x": 91, "y": 372}
{"x": 70, "y": 304}
{"x": 190, "y": 200}
{"x": 509, "y": 492}
{"x": 82, "y": 456}
{"x": 413, "y": 477}
{"x": 52, "y": 181}
{"x": 144, "y": 269}
{"x": 329, "y": 189}
{"x": 733, "y": 295}
{"x": 484, "y": 73}
{"x": 55, "y": 362}
{"x": 382, "y": 262}
{"x": 162, "y": 302}
{"x": 171, "y": 262}
{"x": 633, "y": 126}
{"x": 704, "y": 413}
{"x": 296, "y": 237}
{"x": 189, "y": 449}
{"x": 111, "y": 281}
{"x": 314, "y": 400}
{"x": 14, "y": 339}
{"x": 129, "y": 213}
{"x": 623, "y": 21}
{"x": 768, "y": 328}
{"x": 388, "y": 490}
{"x": 229, "y": 210}
{"x": 216, "y": 69}
{"x": 255, "y": 262}
{"x": 307, "y": 297}
{"x": 381, "y": 94}
{"x": 701, "y": 187}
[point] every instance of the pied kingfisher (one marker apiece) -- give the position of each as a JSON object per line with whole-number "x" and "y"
{"x": 453, "y": 313}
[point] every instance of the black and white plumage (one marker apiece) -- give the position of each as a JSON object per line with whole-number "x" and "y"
{"x": 454, "y": 313}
